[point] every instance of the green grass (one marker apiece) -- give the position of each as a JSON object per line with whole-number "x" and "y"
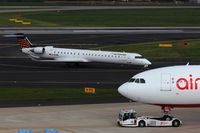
{"x": 151, "y": 50}
{"x": 108, "y": 18}
{"x": 15, "y": 94}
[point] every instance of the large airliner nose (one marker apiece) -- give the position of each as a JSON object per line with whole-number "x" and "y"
{"x": 122, "y": 90}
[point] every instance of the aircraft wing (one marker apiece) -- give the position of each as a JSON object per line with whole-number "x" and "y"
{"x": 61, "y": 59}
{"x": 71, "y": 60}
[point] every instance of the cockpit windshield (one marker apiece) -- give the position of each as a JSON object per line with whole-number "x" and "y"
{"x": 142, "y": 81}
{"x": 131, "y": 80}
{"x": 139, "y": 57}
{"x": 137, "y": 80}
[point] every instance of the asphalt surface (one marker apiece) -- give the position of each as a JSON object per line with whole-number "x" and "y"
{"x": 95, "y": 40}
{"x": 59, "y": 8}
{"x": 100, "y": 30}
{"x": 17, "y": 70}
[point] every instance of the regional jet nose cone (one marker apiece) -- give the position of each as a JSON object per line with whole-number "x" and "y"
{"x": 147, "y": 62}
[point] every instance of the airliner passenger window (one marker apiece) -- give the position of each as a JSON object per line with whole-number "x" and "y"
{"x": 142, "y": 81}
{"x": 131, "y": 80}
{"x": 137, "y": 81}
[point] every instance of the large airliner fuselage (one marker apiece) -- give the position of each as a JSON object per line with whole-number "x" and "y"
{"x": 176, "y": 86}
{"x": 49, "y": 53}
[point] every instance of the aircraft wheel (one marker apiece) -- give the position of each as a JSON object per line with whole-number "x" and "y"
{"x": 176, "y": 123}
{"x": 119, "y": 124}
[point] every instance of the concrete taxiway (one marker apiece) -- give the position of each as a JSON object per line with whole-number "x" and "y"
{"x": 7, "y": 9}
{"x": 96, "y": 118}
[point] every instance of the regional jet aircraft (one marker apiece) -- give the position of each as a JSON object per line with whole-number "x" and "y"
{"x": 52, "y": 54}
{"x": 168, "y": 87}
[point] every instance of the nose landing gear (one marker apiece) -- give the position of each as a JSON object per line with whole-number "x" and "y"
{"x": 166, "y": 109}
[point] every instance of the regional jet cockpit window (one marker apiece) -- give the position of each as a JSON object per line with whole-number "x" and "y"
{"x": 139, "y": 57}
{"x": 131, "y": 80}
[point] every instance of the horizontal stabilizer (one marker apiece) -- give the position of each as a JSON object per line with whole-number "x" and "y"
{"x": 21, "y": 39}
{"x": 18, "y": 35}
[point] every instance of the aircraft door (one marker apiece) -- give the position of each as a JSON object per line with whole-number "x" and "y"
{"x": 165, "y": 82}
{"x": 129, "y": 60}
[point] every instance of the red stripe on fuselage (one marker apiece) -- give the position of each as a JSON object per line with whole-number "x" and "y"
{"x": 179, "y": 105}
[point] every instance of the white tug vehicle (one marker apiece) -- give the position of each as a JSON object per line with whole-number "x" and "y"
{"x": 128, "y": 118}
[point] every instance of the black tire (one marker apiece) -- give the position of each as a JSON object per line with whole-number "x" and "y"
{"x": 119, "y": 124}
{"x": 176, "y": 123}
{"x": 141, "y": 124}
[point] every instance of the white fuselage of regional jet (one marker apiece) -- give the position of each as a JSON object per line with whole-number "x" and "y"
{"x": 51, "y": 54}
{"x": 176, "y": 86}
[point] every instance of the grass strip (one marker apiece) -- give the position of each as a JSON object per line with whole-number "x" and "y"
{"x": 151, "y": 50}
{"x": 15, "y": 94}
{"x": 106, "y": 18}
